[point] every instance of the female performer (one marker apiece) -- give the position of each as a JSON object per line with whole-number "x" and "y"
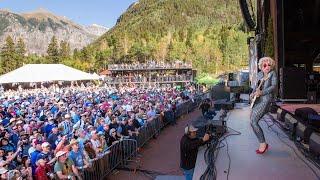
{"x": 264, "y": 94}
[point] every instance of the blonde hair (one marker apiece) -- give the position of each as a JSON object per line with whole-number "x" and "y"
{"x": 266, "y": 59}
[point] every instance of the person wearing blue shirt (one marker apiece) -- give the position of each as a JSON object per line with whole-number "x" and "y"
{"x": 53, "y": 137}
{"x": 5, "y": 121}
{"x": 77, "y": 156}
{"x": 34, "y": 155}
{"x": 14, "y": 137}
{"x": 81, "y": 139}
{"x": 48, "y": 128}
{"x": 45, "y": 153}
{"x": 54, "y": 109}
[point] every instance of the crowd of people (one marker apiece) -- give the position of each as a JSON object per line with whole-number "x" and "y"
{"x": 55, "y": 133}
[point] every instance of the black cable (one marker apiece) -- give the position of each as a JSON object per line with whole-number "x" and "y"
{"x": 229, "y": 166}
{"x": 212, "y": 152}
{"x": 277, "y": 133}
{"x": 152, "y": 174}
{"x": 302, "y": 150}
{"x": 252, "y": 10}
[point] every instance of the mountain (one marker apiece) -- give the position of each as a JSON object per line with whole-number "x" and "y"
{"x": 38, "y": 27}
{"x": 96, "y": 29}
{"x": 209, "y": 33}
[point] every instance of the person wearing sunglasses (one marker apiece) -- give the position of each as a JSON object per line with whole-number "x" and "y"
{"x": 267, "y": 77}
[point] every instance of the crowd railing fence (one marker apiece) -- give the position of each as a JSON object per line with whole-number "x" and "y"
{"x": 126, "y": 149}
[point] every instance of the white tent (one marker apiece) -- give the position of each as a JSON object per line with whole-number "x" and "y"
{"x": 45, "y": 72}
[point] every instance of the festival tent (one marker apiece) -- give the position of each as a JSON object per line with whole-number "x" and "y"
{"x": 45, "y": 73}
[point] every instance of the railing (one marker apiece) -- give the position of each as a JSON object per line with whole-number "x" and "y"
{"x": 117, "y": 154}
{"x": 125, "y": 150}
{"x": 160, "y": 79}
{"x": 149, "y": 66}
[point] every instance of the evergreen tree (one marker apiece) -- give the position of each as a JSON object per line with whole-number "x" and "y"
{"x": 21, "y": 51}
{"x": 8, "y": 56}
{"x": 64, "y": 50}
{"x": 53, "y": 51}
{"x": 76, "y": 54}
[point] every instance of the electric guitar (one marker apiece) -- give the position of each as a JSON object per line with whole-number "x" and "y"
{"x": 259, "y": 86}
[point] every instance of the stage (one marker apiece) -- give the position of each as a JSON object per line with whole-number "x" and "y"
{"x": 290, "y": 107}
{"x": 280, "y": 162}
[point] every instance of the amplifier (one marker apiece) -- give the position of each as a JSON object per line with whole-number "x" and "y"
{"x": 223, "y": 104}
{"x": 290, "y": 123}
{"x": 303, "y": 132}
{"x": 216, "y": 126}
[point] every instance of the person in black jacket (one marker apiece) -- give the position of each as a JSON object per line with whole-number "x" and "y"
{"x": 189, "y": 145}
{"x": 205, "y": 106}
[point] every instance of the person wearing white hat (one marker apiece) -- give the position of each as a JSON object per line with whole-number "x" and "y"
{"x": 65, "y": 168}
{"x": 45, "y": 153}
{"x": 189, "y": 145}
{"x": 77, "y": 156}
{"x": 3, "y": 173}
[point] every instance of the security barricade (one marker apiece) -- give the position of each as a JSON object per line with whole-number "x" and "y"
{"x": 148, "y": 131}
{"x": 126, "y": 149}
{"x": 115, "y": 155}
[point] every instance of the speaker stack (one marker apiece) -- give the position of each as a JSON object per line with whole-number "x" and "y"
{"x": 293, "y": 84}
{"x": 230, "y": 77}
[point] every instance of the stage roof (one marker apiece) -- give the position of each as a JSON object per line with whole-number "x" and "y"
{"x": 44, "y": 73}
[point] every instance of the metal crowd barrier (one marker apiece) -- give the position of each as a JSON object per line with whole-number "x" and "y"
{"x": 151, "y": 129}
{"x": 125, "y": 150}
{"x": 116, "y": 155}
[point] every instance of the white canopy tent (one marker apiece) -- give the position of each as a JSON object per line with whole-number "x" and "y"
{"x": 45, "y": 73}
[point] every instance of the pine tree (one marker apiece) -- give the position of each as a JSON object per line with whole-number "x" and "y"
{"x": 64, "y": 50}
{"x": 53, "y": 52}
{"x": 8, "y": 56}
{"x": 21, "y": 51}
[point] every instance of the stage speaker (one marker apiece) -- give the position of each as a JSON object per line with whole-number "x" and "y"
{"x": 304, "y": 112}
{"x": 280, "y": 114}
{"x": 223, "y": 104}
{"x": 292, "y": 83}
{"x": 303, "y": 132}
{"x": 314, "y": 120}
{"x": 290, "y": 123}
{"x": 314, "y": 143}
{"x": 230, "y": 77}
{"x": 220, "y": 92}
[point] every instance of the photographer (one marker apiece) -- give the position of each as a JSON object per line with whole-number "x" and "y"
{"x": 205, "y": 106}
{"x": 189, "y": 145}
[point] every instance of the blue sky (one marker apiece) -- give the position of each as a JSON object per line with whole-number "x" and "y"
{"x": 85, "y": 12}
